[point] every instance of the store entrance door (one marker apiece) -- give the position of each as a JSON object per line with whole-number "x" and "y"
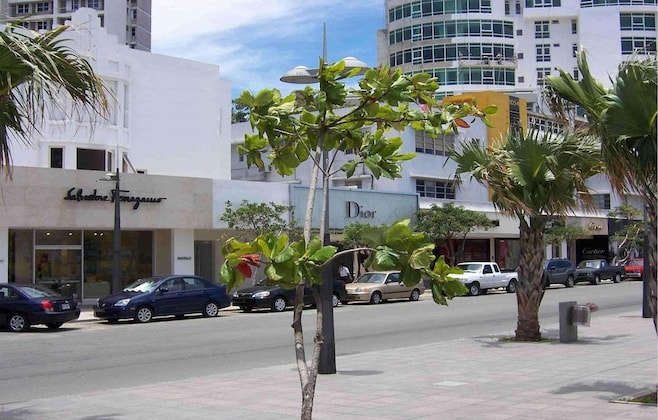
{"x": 59, "y": 268}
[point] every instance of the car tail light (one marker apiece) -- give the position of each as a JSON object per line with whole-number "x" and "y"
{"x": 47, "y": 306}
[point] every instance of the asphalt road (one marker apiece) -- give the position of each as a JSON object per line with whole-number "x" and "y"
{"x": 94, "y": 356}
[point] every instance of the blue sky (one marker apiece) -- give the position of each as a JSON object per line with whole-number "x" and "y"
{"x": 255, "y": 41}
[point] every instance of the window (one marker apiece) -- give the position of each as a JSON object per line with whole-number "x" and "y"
{"x": 441, "y": 145}
{"x": 574, "y": 26}
{"x": 543, "y": 53}
{"x": 601, "y": 201}
{"x": 22, "y": 9}
{"x": 542, "y": 73}
{"x": 56, "y": 157}
{"x": 42, "y": 25}
{"x": 91, "y": 159}
{"x": 639, "y": 45}
{"x": 42, "y": 7}
{"x": 435, "y": 189}
{"x": 637, "y": 21}
{"x": 542, "y": 29}
{"x": 542, "y": 3}
{"x": 94, "y": 4}
{"x": 574, "y": 50}
{"x": 576, "y": 74}
{"x": 75, "y": 4}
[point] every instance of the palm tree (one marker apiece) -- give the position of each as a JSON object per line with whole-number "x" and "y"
{"x": 39, "y": 69}
{"x": 624, "y": 119}
{"x": 533, "y": 177}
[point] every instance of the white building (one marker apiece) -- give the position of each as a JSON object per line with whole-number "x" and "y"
{"x": 129, "y": 20}
{"x": 512, "y": 45}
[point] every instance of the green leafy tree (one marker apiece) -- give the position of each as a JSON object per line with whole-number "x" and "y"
{"x": 624, "y": 119}
{"x": 36, "y": 69}
{"x": 449, "y": 223}
{"x": 316, "y": 125}
{"x": 630, "y": 233}
{"x": 533, "y": 178}
{"x": 239, "y": 111}
{"x": 256, "y": 219}
{"x": 557, "y": 232}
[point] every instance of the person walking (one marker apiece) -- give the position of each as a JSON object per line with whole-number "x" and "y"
{"x": 344, "y": 273}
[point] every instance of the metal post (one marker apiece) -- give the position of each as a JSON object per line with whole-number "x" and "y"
{"x": 327, "y": 364}
{"x": 116, "y": 237}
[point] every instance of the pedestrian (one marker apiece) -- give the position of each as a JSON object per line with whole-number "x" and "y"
{"x": 344, "y": 273}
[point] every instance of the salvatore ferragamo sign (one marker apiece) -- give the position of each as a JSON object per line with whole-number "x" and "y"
{"x": 77, "y": 194}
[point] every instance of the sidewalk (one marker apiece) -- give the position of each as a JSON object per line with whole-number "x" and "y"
{"x": 472, "y": 378}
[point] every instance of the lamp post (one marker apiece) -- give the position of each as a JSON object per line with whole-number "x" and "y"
{"x": 116, "y": 236}
{"x": 305, "y": 75}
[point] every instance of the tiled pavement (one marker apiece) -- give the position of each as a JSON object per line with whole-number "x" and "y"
{"x": 472, "y": 378}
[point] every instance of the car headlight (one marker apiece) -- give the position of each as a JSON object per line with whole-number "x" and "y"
{"x": 122, "y": 302}
{"x": 358, "y": 289}
{"x": 260, "y": 295}
{"x": 235, "y": 294}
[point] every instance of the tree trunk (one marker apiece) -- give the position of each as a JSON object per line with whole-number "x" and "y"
{"x": 530, "y": 290}
{"x": 307, "y": 375}
{"x": 652, "y": 255}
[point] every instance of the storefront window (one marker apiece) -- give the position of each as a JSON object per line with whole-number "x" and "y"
{"x": 507, "y": 253}
{"x": 136, "y": 259}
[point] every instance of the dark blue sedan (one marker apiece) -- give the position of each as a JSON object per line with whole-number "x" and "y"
{"x": 163, "y": 295}
{"x": 23, "y": 305}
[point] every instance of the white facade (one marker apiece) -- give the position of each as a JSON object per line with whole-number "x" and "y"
{"x": 169, "y": 116}
{"x": 511, "y": 45}
{"x": 129, "y": 20}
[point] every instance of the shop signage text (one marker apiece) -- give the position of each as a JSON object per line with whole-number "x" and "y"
{"x": 77, "y": 194}
{"x": 355, "y": 210}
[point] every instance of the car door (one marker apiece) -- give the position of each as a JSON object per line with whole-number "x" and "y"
{"x": 489, "y": 279}
{"x": 394, "y": 289}
{"x": 166, "y": 297}
{"x": 194, "y": 295}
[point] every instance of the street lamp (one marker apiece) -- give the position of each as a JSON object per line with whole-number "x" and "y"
{"x": 305, "y": 75}
{"x": 116, "y": 236}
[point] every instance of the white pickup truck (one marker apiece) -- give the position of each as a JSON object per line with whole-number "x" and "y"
{"x": 479, "y": 277}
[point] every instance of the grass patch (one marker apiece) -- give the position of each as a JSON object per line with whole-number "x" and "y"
{"x": 650, "y": 398}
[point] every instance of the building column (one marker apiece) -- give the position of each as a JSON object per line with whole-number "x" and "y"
{"x": 4, "y": 254}
{"x": 182, "y": 251}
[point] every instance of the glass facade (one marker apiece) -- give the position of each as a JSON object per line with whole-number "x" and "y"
{"x": 77, "y": 263}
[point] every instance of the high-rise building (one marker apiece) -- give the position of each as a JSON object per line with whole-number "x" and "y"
{"x": 129, "y": 20}
{"x": 512, "y": 45}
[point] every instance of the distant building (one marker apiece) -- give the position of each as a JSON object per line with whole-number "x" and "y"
{"x": 129, "y": 20}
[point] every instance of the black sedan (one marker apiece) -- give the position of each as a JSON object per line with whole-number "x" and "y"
{"x": 23, "y": 305}
{"x": 267, "y": 295}
{"x": 163, "y": 295}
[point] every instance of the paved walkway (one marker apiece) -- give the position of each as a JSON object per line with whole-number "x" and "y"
{"x": 473, "y": 378}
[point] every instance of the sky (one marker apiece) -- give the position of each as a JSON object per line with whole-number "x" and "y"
{"x": 254, "y": 42}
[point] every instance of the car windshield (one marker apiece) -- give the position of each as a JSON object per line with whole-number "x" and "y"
{"x": 143, "y": 285}
{"x": 470, "y": 268}
{"x": 265, "y": 282}
{"x": 372, "y": 278}
{"x": 35, "y": 291}
{"x": 589, "y": 264}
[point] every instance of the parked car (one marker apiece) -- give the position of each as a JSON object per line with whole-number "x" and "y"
{"x": 23, "y": 305}
{"x": 593, "y": 271}
{"x": 479, "y": 277}
{"x": 268, "y": 295}
{"x": 559, "y": 271}
{"x": 634, "y": 269}
{"x": 379, "y": 286}
{"x": 163, "y": 295}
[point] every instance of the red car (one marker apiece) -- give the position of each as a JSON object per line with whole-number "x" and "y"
{"x": 634, "y": 269}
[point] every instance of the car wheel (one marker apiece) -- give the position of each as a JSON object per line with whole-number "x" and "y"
{"x": 335, "y": 300}
{"x": 54, "y": 325}
{"x": 511, "y": 287}
{"x": 569, "y": 282}
{"x": 18, "y": 323}
{"x": 376, "y": 298}
{"x": 211, "y": 309}
{"x": 415, "y": 295}
{"x": 474, "y": 289}
{"x": 279, "y": 304}
{"x": 597, "y": 279}
{"x": 144, "y": 314}
{"x": 617, "y": 278}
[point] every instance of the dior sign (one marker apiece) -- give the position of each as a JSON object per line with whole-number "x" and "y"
{"x": 354, "y": 210}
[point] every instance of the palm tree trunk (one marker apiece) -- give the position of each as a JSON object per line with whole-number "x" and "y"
{"x": 530, "y": 292}
{"x": 652, "y": 256}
